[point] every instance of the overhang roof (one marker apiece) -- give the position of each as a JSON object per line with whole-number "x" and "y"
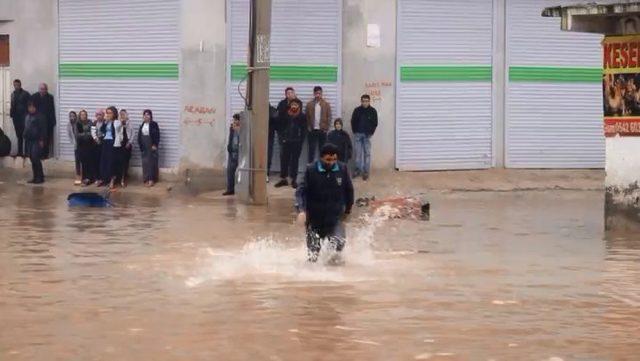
{"x": 594, "y": 17}
{"x": 593, "y": 9}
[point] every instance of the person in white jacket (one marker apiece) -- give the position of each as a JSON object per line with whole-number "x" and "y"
{"x": 122, "y": 145}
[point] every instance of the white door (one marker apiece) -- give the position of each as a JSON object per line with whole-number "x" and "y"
{"x": 443, "y": 109}
{"x": 123, "y": 53}
{"x": 5, "y": 98}
{"x": 553, "y": 105}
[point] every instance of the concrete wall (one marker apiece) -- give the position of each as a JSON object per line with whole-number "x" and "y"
{"x": 623, "y": 172}
{"x": 203, "y": 84}
{"x": 32, "y": 26}
{"x": 622, "y": 166}
{"x": 34, "y": 53}
{"x": 371, "y": 70}
{"x": 33, "y": 37}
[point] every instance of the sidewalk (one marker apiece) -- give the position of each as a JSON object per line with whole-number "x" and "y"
{"x": 381, "y": 183}
{"x": 390, "y": 183}
{"x": 62, "y": 179}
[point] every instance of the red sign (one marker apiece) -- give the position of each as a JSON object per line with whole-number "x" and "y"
{"x": 621, "y": 85}
{"x": 622, "y": 126}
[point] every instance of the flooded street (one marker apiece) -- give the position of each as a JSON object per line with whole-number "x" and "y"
{"x": 525, "y": 275}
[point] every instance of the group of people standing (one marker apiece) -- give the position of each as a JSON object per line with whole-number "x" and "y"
{"x": 34, "y": 119}
{"x": 103, "y": 147}
{"x": 292, "y": 125}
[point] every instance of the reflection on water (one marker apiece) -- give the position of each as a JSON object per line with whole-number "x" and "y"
{"x": 504, "y": 276}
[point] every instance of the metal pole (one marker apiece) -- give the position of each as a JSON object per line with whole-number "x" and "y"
{"x": 258, "y": 96}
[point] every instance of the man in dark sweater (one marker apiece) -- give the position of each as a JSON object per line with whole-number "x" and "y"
{"x": 233, "y": 148}
{"x": 277, "y": 123}
{"x": 46, "y": 107}
{"x": 293, "y": 133}
{"x": 35, "y": 136}
{"x": 364, "y": 122}
{"x": 323, "y": 199}
{"x": 18, "y": 112}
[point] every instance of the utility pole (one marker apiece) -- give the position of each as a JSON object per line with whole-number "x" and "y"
{"x": 258, "y": 97}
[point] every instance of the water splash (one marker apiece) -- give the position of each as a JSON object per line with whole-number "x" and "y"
{"x": 267, "y": 258}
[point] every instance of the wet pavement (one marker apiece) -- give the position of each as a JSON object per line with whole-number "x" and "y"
{"x": 525, "y": 275}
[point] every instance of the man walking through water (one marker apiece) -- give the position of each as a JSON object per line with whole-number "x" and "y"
{"x": 323, "y": 199}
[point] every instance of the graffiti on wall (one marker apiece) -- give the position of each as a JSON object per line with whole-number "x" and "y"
{"x": 375, "y": 87}
{"x": 198, "y": 115}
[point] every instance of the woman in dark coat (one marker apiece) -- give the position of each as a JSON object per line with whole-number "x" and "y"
{"x": 342, "y": 140}
{"x": 35, "y": 136}
{"x": 86, "y": 148}
{"x": 149, "y": 140}
{"x": 107, "y": 156}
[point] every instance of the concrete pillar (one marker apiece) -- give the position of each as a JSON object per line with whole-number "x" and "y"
{"x": 371, "y": 70}
{"x": 203, "y": 88}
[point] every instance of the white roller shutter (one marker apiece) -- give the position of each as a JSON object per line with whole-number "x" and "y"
{"x": 123, "y": 53}
{"x": 553, "y": 105}
{"x": 303, "y": 33}
{"x": 443, "y": 112}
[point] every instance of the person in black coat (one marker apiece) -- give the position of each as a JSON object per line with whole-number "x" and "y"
{"x": 86, "y": 148}
{"x": 233, "y": 148}
{"x": 35, "y": 136}
{"x": 5, "y": 144}
{"x": 149, "y": 141}
{"x": 46, "y": 107}
{"x": 342, "y": 140}
{"x": 323, "y": 199}
{"x": 18, "y": 112}
{"x": 294, "y": 131}
{"x": 274, "y": 128}
{"x": 277, "y": 121}
{"x": 364, "y": 122}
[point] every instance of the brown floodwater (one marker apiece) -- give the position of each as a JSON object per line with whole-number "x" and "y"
{"x": 492, "y": 276}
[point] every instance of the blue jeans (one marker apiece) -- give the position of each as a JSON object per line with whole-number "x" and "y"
{"x": 316, "y": 140}
{"x": 232, "y": 166}
{"x": 363, "y": 152}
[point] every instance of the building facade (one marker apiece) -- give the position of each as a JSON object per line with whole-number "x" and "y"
{"x": 458, "y": 84}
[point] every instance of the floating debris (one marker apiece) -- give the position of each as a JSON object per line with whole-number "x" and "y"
{"x": 416, "y": 208}
{"x": 89, "y": 199}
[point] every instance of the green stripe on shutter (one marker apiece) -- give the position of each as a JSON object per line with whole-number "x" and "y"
{"x": 555, "y": 74}
{"x": 119, "y": 70}
{"x": 445, "y": 73}
{"x": 323, "y": 73}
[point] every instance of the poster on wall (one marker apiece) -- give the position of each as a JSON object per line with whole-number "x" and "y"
{"x": 621, "y": 85}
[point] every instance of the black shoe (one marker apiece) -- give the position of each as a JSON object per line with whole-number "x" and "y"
{"x": 365, "y": 176}
{"x": 38, "y": 181}
{"x": 294, "y": 184}
{"x": 228, "y": 193}
{"x": 312, "y": 257}
{"x": 336, "y": 260}
{"x": 282, "y": 183}
{"x": 32, "y": 181}
{"x": 356, "y": 174}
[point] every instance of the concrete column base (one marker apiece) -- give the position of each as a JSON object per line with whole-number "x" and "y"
{"x": 622, "y": 208}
